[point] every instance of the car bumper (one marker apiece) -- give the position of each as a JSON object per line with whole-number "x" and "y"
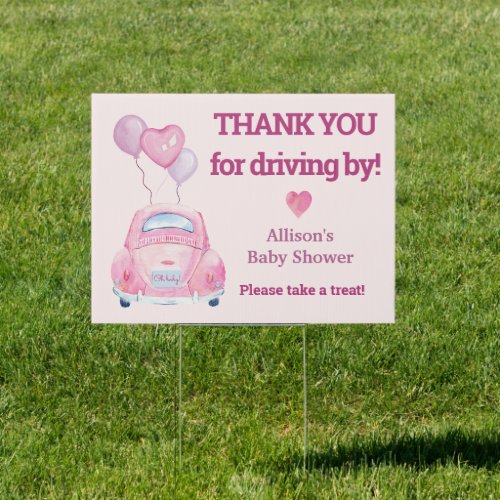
{"x": 139, "y": 297}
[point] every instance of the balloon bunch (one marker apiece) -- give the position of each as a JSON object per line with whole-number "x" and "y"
{"x": 164, "y": 146}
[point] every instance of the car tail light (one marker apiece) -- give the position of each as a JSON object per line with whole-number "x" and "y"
{"x": 126, "y": 275}
{"x": 210, "y": 277}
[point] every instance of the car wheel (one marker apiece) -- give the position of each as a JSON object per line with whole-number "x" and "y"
{"x": 213, "y": 302}
{"x": 124, "y": 303}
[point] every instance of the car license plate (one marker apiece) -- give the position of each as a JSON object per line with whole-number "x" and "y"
{"x": 170, "y": 278}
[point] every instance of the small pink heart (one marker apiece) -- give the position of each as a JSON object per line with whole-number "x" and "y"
{"x": 298, "y": 203}
{"x": 163, "y": 146}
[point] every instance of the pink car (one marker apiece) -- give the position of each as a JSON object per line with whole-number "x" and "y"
{"x": 167, "y": 259}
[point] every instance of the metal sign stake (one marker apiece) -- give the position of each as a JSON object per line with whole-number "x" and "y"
{"x": 180, "y": 396}
{"x": 304, "y": 363}
{"x": 305, "y": 408}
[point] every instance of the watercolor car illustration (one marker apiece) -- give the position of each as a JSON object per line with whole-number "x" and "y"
{"x": 167, "y": 259}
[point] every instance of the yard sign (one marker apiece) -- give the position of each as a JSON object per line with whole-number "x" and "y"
{"x": 239, "y": 208}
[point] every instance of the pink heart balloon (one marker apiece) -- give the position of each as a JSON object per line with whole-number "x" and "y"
{"x": 298, "y": 203}
{"x": 163, "y": 146}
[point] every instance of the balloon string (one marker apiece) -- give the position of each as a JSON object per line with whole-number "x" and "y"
{"x": 161, "y": 185}
{"x": 177, "y": 191}
{"x": 143, "y": 183}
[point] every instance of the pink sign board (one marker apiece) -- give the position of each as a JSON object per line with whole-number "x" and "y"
{"x": 235, "y": 208}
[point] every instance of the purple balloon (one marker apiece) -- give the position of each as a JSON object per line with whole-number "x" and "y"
{"x": 183, "y": 167}
{"x": 127, "y": 134}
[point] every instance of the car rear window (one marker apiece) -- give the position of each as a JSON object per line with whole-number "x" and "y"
{"x": 167, "y": 220}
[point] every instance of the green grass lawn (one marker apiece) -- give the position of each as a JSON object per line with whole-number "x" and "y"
{"x": 409, "y": 410}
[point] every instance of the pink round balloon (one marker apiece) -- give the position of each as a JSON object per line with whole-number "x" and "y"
{"x": 127, "y": 134}
{"x": 163, "y": 146}
{"x": 183, "y": 167}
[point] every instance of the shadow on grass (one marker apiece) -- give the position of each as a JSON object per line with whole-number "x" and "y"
{"x": 418, "y": 451}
